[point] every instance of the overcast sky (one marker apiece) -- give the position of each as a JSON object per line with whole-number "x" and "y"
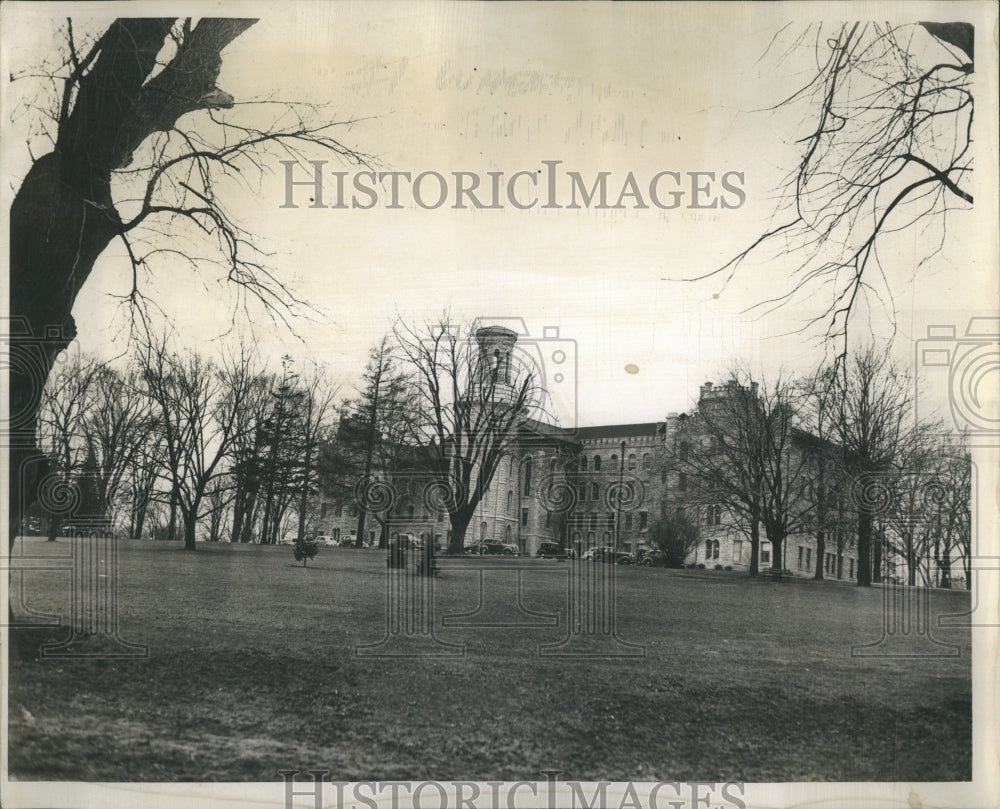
{"x": 484, "y": 88}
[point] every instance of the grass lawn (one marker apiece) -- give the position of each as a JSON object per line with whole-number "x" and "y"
{"x": 251, "y": 668}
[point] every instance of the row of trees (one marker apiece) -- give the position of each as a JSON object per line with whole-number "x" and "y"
{"x": 836, "y": 455}
{"x": 174, "y": 440}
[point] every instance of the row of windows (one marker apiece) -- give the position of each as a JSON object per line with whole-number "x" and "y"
{"x": 630, "y": 464}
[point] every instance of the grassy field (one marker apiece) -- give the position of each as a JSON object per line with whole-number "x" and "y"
{"x": 251, "y": 668}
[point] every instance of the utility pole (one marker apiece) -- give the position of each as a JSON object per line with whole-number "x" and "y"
{"x": 618, "y": 501}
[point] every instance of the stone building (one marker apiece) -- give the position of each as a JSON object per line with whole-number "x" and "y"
{"x": 593, "y": 486}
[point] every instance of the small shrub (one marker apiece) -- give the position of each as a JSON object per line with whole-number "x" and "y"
{"x": 729, "y": 567}
{"x": 305, "y": 549}
{"x": 701, "y": 566}
{"x": 718, "y": 567}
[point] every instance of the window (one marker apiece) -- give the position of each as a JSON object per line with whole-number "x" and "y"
{"x": 583, "y": 491}
{"x": 583, "y": 463}
{"x": 322, "y": 511}
{"x": 628, "y": 521}
{"x": 510, "y": 501}
{"x": 552, "y": 465}
{"x": 614, "y": 460}
{"x": 708, "y": 549}
{"x": 507, "y": 533}
{"x": 595, "y": 491}
{"x": 631, "y": 461}
{"x": 765, "y": 553}
{"x": 647, "y": 461}
{"x": 809, "y": 558}
{"x": 715, "y": 549}
{"x": 527, "y": 476}
{"x": 738, "y": 552}
{"x": 713, "y": 515}
{"x": 851, "y": 574}
{"x": 576, "y": 537}
{"x": 524, "y": 516}
{"x": 597, "y": 463}
{"x": 643, "y": 520}
{"x": 590, "y": 538}
{"x": 802, "y": 555}
{"x": 482, "y": 531}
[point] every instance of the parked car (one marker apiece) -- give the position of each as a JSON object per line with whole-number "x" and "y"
{"x": 348, "y": 541}
{"x": 551, "y": 550}
{"x": 593, "y": 554}
{"x": 606, "y": 554}
{"x": 492, "y": 547}
{"x": 653, "y": 558}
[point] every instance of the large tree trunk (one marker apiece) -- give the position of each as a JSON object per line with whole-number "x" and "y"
{"x": 754, "y": 548}
{"x": 63, "y": 216}
{"x": 820, "y": 554}
{"x": 459, "y": 525}
{"x": 864, "y": 547}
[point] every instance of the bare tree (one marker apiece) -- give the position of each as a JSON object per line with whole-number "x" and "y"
{"x": 827, "y": 496}
{"x": 743, "y": 453}
{"x": 65, "y": 407}
{"x": 135, "y": 145}
{"x": 873, "y": 400}
{"x": 198, "y": 405}
{"x": 116, "y": 429}
{"x": 471, "y": 397}
{"x": 887, "y": 148}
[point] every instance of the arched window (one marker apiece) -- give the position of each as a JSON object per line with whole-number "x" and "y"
{"x": 647, "y": 461}
{"x": 576, "y": 537}
{"x": 510, "y": 466}
{"x": 606, "y": 538}
{"x": 510, "y": 501}
{"x": 552, "y": 465}
{"x": 614, "y": 460}
{"x": 590, "y": 537}
{"x": 526, "y": 475}
{"x": 715, "y": 549}
{"x": 482, "y": 531}
{"x": 631, "y": 461}
{"x": 595, "y": 491}
{"x": 708, "y": 549}
{"x": 583, "y": 463}
{"x": 597, "y": 463}
{"x": 507, "y": 533}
